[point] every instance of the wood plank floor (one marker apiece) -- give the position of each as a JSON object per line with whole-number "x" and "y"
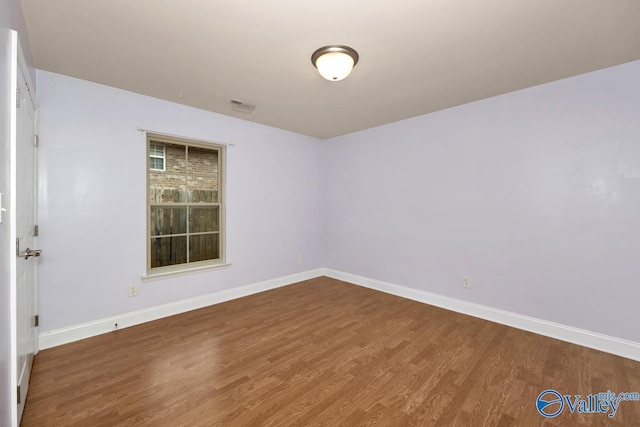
{"x": 321, "y": 352}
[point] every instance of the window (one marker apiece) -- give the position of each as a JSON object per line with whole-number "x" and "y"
{"x": 156, "y": 157}
{"x": 185, "y": 213}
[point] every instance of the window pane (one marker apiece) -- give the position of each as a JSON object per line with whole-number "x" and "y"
{"x": 203, "y": 247}
{"x": 171, "y": 185}
{"x": 184, "y": 202}
{"x": 156, "y": 150}
{"x": 203, "y": 175}
{"x": 156, "y": 163}
{"x": 203, "y": 219}
{"x": 168, "y": 251}
{"x": 168, "y": 220}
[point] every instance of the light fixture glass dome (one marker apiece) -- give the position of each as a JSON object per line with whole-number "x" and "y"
{"x": 334, "y": 63}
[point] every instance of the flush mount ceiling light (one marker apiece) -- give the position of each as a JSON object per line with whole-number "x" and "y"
{"x": 335, "y": 62}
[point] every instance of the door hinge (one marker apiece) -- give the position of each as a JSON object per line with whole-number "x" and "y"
{"x": 17, "y": 98}
{"x": 36, "y": 321}
{"x": 19, "y": 399}
{"x": 36, "y": 140}
{"x": 36, "y": 230}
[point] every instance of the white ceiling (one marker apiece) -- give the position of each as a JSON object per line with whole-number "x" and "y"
{"x": 416, "y": 56}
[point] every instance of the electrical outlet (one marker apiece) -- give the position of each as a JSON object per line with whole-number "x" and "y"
{"x": 300, "y": 259}
{"x": 466, "y": 282}
{"x": 133, "y": 290}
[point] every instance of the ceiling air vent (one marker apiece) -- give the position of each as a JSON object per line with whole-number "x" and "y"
{"x": 242, "y": 107}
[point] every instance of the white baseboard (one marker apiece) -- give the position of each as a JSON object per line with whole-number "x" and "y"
{"x": 608, "y": 344}
{"x": 86, "y": 330}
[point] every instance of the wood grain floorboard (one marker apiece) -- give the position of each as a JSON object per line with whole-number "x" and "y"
{"x": 320, "y": 352}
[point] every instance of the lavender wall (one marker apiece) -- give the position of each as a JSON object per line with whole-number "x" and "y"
{"x": 535, "y": 195}
{"x": 92, "y": 200}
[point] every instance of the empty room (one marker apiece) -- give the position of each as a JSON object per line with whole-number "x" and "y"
{"x": 337, "y": 213}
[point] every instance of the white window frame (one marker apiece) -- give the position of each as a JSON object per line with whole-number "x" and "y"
{"x": 195, "y": 266}
{"x": 155, "y": 156}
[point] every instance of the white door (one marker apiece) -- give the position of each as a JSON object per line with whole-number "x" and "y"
{"x": 26, "y": 238}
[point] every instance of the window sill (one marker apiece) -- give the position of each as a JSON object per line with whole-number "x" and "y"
{"x": 168, "y": 274}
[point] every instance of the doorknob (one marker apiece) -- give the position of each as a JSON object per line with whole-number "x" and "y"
{"x": 31, "y": 252}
